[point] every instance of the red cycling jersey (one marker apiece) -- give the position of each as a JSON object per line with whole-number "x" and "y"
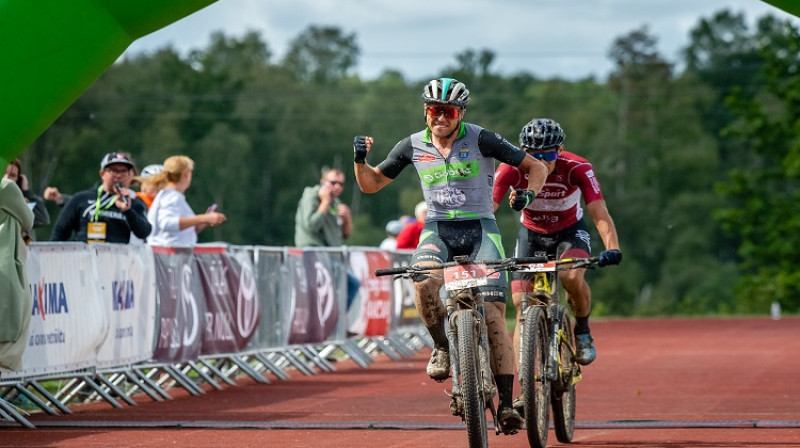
{"x": 558, "y": 205}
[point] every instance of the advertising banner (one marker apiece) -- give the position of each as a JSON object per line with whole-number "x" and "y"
{"x": 405, "y": 312}
{"x": 375, "y": 310}
{"x": 314, "y": 307}
{"x": 273, "y": 293}
{"x": 128, "y": 294}
{"x": 68, "y": 318}
{"x": 181, "y": 305}
{"x": 228, "y": 283}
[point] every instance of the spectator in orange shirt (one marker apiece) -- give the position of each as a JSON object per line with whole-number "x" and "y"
{"x": 148, "y": 190}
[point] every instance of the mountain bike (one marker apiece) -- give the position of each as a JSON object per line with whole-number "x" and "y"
{"x": 548, "y": 368}
{"x": 473, "y": 384}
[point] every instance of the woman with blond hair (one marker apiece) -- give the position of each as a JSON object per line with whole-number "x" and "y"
{"x": 174, "y": 223}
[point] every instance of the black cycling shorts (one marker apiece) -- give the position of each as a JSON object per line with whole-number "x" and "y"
{"x": 479, "y": 239}
{"x": 572, "y": 242}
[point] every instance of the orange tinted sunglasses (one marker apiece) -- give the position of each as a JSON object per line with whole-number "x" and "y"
{"x": 449, "y": 112}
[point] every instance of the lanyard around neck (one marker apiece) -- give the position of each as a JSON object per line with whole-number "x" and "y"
{"x": 97, "y": 208}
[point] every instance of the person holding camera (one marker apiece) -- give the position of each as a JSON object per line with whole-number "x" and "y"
{"x": 108, "y": 212}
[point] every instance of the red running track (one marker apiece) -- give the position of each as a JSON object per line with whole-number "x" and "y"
{"x": 656, "y": 383}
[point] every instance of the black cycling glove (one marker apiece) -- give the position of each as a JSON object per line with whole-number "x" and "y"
{"x": 523, "y": 199}
{"x": 607, "y": 257}
{"x": 360, "y": 149}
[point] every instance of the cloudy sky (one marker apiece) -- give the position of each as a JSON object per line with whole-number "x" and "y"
{"x": 565, "y": 38}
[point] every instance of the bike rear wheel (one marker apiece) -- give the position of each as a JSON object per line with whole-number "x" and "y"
{"x": 535, "y": 386}
{"x": 563, "y": 393}
{"x": 471, "y": 385}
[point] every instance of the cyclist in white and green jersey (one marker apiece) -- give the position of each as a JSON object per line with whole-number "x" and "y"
{"x": 455, "y": 162}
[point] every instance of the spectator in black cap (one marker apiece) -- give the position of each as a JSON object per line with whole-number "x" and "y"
{"x": 107, "y": 213}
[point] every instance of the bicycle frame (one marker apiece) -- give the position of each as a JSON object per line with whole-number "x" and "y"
{"x": 547, "y": 353}
{"x": 465, "y": 310}
{"x": 545, "y": 293}
{"x": 473, "y": 386}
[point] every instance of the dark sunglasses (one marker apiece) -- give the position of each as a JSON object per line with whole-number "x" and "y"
{"x": 548, "y": 156}
{"x": 336, "y": 182}
{"x": 449, "y": 112}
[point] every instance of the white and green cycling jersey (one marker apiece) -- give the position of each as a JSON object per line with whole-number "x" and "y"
{"x": 458, "y": 187}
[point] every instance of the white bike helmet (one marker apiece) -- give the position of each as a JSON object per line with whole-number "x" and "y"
{"x": 446, "y": 91}
{"x": 150, "y": 170}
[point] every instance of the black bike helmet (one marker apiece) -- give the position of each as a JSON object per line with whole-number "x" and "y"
{"x": 541, "y": 133}
{"x": 446, "y": 91}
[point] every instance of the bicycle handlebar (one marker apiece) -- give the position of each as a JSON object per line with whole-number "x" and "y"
{"x": 509, "y": 264}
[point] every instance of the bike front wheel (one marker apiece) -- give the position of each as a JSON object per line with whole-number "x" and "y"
{"x": 563, "y": 394}
{"x": 535, "y": 386}
{"x": 471, "y": 385}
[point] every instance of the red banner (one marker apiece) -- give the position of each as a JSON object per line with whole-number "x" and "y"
{"x": 375, "y": 310}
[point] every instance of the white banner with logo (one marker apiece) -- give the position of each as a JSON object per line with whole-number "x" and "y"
{"x": 68, "y": 319}
{"x": 128, "y": 293}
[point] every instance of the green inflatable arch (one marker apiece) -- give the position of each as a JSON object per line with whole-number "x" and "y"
{"x": 52, "y": 50}
{"x": 790, "y": 6}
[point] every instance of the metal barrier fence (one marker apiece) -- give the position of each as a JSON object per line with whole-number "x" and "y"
{"x": 112, "y": 321}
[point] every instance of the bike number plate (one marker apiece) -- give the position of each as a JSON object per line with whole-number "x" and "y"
{"x": 464, "y": 276}
{"x": 550, "y": 266}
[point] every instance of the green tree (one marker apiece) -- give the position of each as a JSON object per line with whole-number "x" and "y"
{"x": 322, "y": 55}
{"x": 761, "y": 212}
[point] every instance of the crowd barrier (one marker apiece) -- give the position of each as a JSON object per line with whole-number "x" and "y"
{"x": 109, "y": 321}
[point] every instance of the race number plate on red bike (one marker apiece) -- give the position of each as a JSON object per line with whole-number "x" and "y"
{"x": 467, "y": 276}
{"x": 550, "y": 266}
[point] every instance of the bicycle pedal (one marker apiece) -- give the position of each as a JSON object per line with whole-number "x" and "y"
{"x": 456, "y": 408}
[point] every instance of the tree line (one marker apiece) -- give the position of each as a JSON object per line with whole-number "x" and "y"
{"x": 699, "y": 158}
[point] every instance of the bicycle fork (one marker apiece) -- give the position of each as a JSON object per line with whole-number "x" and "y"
{"x": 487, "y": 378}
{"x": 554, "y": 351}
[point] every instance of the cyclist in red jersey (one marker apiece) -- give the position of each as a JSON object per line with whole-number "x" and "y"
{"x": 553, "y": 223}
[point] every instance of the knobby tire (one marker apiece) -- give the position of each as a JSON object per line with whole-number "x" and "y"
{"x": 471, "y": 387}
{"x": 535, "y": 387}
{"x": 563, "y": 397}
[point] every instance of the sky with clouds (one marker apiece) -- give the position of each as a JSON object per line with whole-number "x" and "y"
{"x": 547, "y": 38}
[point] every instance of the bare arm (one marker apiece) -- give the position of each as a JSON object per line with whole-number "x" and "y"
{"x": 537, "y": 173}
{"x": 369, "y": 178}
{"x": 605, "y": 225}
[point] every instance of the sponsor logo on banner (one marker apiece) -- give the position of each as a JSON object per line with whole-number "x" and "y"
{"x": 191, "y": 316}
{"x": 247, "y": 302}
{"x": 184, "y": 313}
{"x": 326, "y": 299}
{"x": 122, "y": 294}
{"x": 218, "y": 318}
{"x": 49, "y": 298}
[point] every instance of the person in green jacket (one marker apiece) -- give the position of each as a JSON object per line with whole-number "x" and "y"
{"x": 323, "y": 220}
{"x": 15, "y": 298}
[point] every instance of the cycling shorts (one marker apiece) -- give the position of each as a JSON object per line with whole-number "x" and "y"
{"x": 572, "y": 242}
{"x": 479, "y": 239}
